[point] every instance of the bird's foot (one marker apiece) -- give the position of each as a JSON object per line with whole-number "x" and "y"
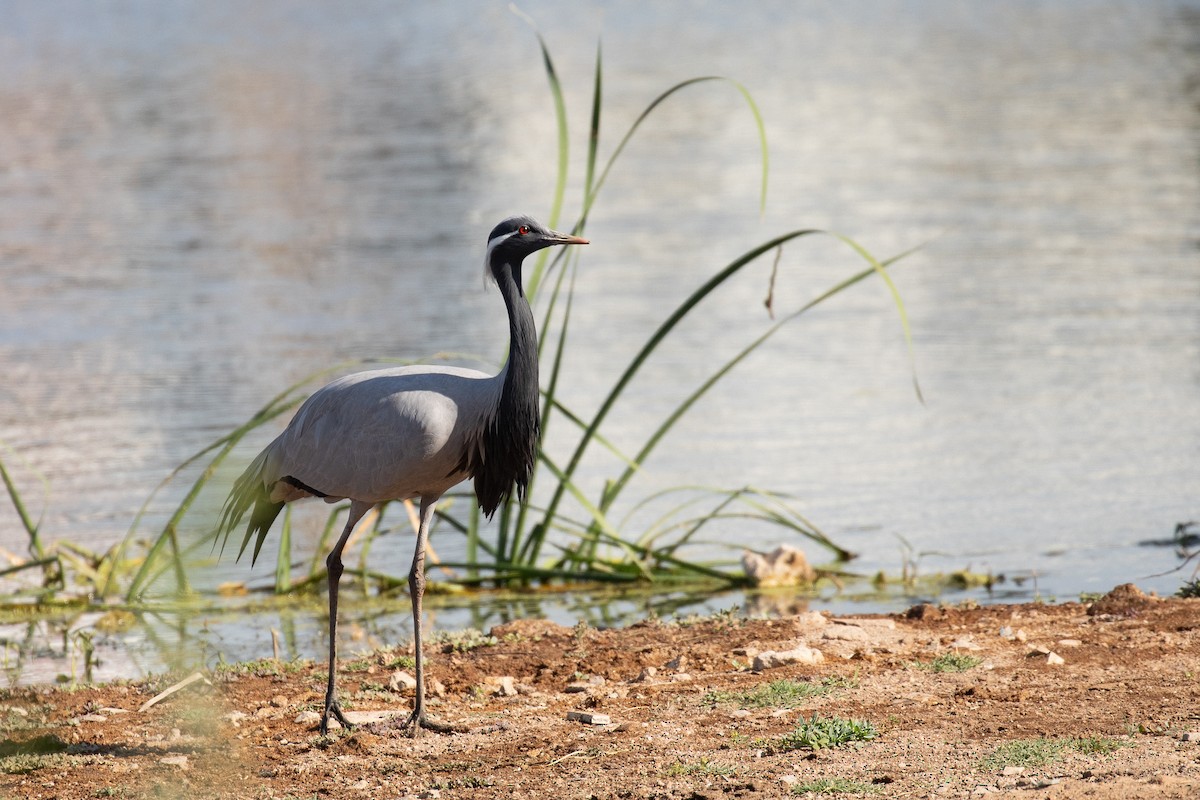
{"x": 418, "y": 721}
{"x": 332, "y": 708}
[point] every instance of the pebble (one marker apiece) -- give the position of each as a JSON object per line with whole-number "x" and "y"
{"x": 92, "y": 718}
{"x": 1069, "y": 643}
{"x": 401, "y": 681}
{"x": 588, "y": 718}
{"x": 175, "y": 761}
{"x": 1018, "y": 635}
{"x": 646, "y": 674}
{"x": 862, "y": 622}
{"x": 1054, "y": 658}
{"x": 799, "y": 655}
{"x": 1191, "y": 736}
{"x": 502, "y": 685}
{"x": 846, "y": 633}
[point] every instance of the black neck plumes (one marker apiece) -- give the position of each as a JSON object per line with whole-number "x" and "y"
{"x": 510, "y": 437}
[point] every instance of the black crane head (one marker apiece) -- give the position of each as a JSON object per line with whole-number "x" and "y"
{"x": 516, "y": 237}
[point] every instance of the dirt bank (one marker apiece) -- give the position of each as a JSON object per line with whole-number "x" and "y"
{"x": 961, "y": 703}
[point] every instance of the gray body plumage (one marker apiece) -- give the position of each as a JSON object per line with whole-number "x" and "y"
{"x": 408, "y": 432}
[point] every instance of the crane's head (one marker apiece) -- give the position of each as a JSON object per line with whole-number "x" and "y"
{"x": 516, "y": 237}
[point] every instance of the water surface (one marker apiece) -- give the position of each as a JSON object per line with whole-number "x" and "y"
{"x": 201, "y": 203}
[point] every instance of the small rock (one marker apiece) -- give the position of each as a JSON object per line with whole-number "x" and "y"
{"x": 1069, "y": 643}
{"x": 367, "y": 717}
{"x": 799, "y": 655}
{"x": 588, "y": 718}
{"x": 1191, "y": 736}
{"x": 502, "y": 685}
{"x": 576, "y": 688}
{"x": 111, "y": 710}
{"x": 401, "y": 681}
{"x": 175, "y": 761}
{"x": 1125, "y": 600}
{"x": 361, "y": 786}
{"x": 845, "y": 633}
{"x": 965, "y": 643}
{"x": 303, "y": 718}
{"x": 1011, "y": 770}
{"x": 646, "y": 674}
{"x": 92, "y": 718}
{"x": 815, "y": 619}
{"x": 436, "y": 687}
{"x": 1054, "y": 658}
{"x": 783, "y": 566}
{"x": 279, "y": 701}
{"x": 679, "y": 677}
{"x": 862, "y": 622}
{"x": 924, "y": 611}
{"x": 678, "y": 663}
{"x": 235, "y": 717}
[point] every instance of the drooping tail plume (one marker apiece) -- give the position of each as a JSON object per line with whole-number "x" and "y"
{"x": 249, "y": 491}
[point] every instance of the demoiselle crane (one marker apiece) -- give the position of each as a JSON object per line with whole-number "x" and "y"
{"x": 408, "y": 432}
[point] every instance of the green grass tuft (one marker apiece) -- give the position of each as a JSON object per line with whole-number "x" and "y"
{"x": 1042, "y": 751}
{"x": 949, "y": 662}
{"x": 834, "y": 786}
{"x": 701, "y": 767}
{"x": 817, "y": 733}
{"x": 776, "y": 694}
{"x": 463, "y": 641}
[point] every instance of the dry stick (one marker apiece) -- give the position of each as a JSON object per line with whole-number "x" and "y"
{"x": 183, "y": 684}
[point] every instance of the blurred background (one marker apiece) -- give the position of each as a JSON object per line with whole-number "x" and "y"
{"x": 203, "y": 202}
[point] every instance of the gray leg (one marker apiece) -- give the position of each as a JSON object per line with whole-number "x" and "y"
{"x": 333, "y": 568}
{"x": 416, "y": 588}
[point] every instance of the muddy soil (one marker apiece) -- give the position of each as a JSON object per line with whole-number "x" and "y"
{"x": 1020, "y": 701}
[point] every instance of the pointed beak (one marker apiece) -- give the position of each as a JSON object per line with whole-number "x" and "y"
{"x": 565, "y": 238}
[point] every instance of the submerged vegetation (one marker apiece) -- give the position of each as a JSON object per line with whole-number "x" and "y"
{"x": 572, "y": 536}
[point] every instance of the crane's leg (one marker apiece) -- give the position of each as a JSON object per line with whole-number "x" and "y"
{"x": 416, "y": 588}
{"x": 333, "y": 568}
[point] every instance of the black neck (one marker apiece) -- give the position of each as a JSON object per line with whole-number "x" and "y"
{"x": 511, "y": 436}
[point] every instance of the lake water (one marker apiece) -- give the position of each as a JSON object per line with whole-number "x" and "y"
{"x": 201, "y": 203}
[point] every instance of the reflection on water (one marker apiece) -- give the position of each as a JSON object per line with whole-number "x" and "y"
{"x": 201, "y": 203}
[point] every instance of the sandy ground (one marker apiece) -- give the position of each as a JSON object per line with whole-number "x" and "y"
{"x": 1108, "y": 715}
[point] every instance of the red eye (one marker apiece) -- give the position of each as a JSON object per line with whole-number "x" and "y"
{"x": 524, "y": 229}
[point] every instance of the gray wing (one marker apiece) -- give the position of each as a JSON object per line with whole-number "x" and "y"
{"x": 382, "y": 435}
